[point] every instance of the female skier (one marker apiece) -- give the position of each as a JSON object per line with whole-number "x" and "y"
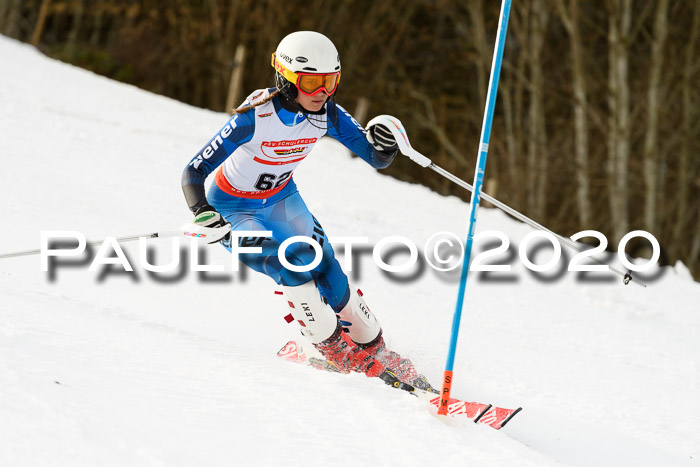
{"x": 258, "y": 149}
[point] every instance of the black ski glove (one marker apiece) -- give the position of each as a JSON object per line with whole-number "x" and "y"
{"x": 383, "y": 141}
{"x": 207, "y": 216}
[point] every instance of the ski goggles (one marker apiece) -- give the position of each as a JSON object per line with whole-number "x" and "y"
{"x": 308, "y": 83}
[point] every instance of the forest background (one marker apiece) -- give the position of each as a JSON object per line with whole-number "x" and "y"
{"x": 596, "y": 124}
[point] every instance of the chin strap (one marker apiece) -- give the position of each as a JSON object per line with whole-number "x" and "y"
{"x": 294, "y": 106}
{"x": 330, "y": 123}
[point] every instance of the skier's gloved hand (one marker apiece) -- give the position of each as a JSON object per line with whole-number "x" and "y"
{"x": 383, "y": 141}
{"x": 207, "y": 216}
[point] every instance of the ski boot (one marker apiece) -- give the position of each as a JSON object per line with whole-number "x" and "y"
{"x": 347, "y": 356}
{"x": 401, "y": 367}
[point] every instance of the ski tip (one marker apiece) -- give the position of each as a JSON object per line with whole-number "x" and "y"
{"x": 510, "y": 417}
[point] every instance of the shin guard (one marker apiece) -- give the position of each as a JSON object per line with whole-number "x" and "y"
{"x": 318, "y": 321}
{"x": 357, "y": 319}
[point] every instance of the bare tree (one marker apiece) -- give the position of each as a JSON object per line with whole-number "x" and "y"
{"x": 478, "y": 36}
{"x": 513, "y": 90}
{"x": 690, "y": 114}
{"x": 619, "y": 114}
{"x": 219, "y": 72}
{"x": 570, "y": 18}
{"x": 651, "y": 159}
{"x": 538, "y": 152}
{"x": 13, "y": 17}
{"x": 40, "y": 22}
{"x": 484, "y": 51}
{"x": 4, "y": 8}
{"x": 98, "y": 15}
{"x": 78, "y": 10}
{"x": 512, "y": 140}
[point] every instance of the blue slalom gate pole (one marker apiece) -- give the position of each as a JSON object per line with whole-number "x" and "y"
{"x": 476, "y": 195}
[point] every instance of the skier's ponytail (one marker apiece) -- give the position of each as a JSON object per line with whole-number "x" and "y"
{"x": 242, "y": 110}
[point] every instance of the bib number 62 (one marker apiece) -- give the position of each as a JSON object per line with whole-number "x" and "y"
{"x": 268, "y": 181}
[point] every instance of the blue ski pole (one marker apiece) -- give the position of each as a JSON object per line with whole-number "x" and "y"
{"x": 476, "y": 195}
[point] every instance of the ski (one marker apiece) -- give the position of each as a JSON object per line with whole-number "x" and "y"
{"x": 486, "y": 414}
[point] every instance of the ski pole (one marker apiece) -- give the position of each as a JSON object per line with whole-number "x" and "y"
{"x": 627, "y": 276}
{"x": 406, "y": 149}
{"x": 128, "y": 238}
{"x": 207, "y": 234}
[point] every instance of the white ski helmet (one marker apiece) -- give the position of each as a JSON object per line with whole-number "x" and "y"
{"x": 306, "y": 53}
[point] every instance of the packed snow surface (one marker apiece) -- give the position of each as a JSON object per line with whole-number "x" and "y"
{"x": 110, "y": 367}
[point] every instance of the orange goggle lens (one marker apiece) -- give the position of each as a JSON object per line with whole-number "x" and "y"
{"x": 309, "y": 83}
{"x": 313, "y": 84}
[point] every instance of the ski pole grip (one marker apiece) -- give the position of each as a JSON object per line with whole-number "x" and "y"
{"x": 397, "y": 129}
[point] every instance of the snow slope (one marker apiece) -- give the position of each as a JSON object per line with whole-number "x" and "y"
{"x": 134, "y": 369}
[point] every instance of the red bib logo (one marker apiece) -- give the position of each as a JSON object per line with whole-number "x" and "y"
{"x": 285, "y": 152}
